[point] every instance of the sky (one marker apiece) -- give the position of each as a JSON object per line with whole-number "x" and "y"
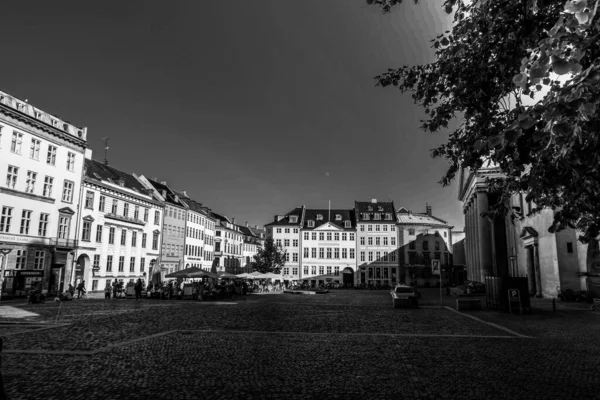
{"x": 252, "y": 107}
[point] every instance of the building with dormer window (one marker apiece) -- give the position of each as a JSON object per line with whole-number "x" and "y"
{"x": 285, "y": 230}
{"x": 377, "y": 242}
{"x": 229, "y": 240}
{"x": 41, "y": 157}
{"x": 120, "y": 227}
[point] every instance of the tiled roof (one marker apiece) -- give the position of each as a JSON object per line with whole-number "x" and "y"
{"x": 220, "y": 217}
{"x": 286, "y": 218}
{"x": 382, "y": 207}
{"x": 420, "y": 219}
{"x": 192, "y": 204}
{"x": 97, "y": 170}
{"x": 329, "y": 216}
{"x": 170, "y": 193}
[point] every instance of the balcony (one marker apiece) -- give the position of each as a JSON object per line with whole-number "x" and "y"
{"x": 63, "y": 243}
{"x": 124, "y": 219}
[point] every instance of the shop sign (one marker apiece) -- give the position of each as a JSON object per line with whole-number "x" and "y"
{"x": 24, "y": 240}
{"x": 29, "y": 273}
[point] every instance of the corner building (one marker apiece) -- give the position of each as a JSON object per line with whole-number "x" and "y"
{"x": 41, "y": 157}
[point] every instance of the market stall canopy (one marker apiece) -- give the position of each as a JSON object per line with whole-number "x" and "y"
{"x": 227, "y": 275}
{"x": 245, "y": 275}
{"x": 256, "y": 273}
{"x": 185, "y": 273}
{"x": 202, "y": 274}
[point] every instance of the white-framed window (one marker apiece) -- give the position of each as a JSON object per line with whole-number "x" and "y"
{"x": 51, "y": 156}
{"x": 370, "y": 256}
{"x": 287, "y": 230}
{"x": 313, "y": 252}
{"x": 16, "y": 143}
{"x": 321, "y": 270}
{"x": 146, "y": 214}
{"x": 89, "y": 199}
{"x": 25, "y": 222}
{"x": 136, "y": 212}
{"x": 132, "y": 264}
{"x": 155, "y": 241}
{"x": 313, "y": 270}
{"x": 305, "y": 235}
{"x": 101, "y": 203}
{"x": 321, "y": 252}
{"x": 393, "y": 240}
{"x": 362, "y": 256}
{"x": 321, "y": 236}
{"x": 377, "y": 241}
{"x": 370, "y": 241}
{"x": 121, "y": 263}
{"x": 313, "y": 236}
{"x": 123, "y": 237}
{"x": 295, "y": 243}
{"x": 278, "y": 230}
{"x": 344, "y": 253}
{"x": 30, "y": 182}
{"x": 392, "y": 228}
{"x": 305, "y": 270}
{"x": 385, "y": 228}
{"x": 96, "y": 264}
{"x": 99, "y": 233}
{"x": 362, "y": 228}
{"x": 385, "y": 241}
{"x": 286, "y": 242}
{"x": 352, "y": 236}
{"x": 344, "y": 236}
{"x": 336, "y": 252}
{"x": 144, "y": 236}
{"x": 377, "y": 256}
{"x": 70, "y": 161}
{"x": 306, "y": 250}
{"x": 156, "y": 217}
{"x": 311, "y": 224}
{"x": 126, "y": 210}
{"x": 293, "y": 219}
{"x": 295, "y": 231}
{"x": 48, "y": 183}
{"x": 111, "y": 235}
{"x": 329, "y": 252}
{"x": 295, "y": 257}
{"x": 43, "y": 226}
{"x": 86, "y": 232}
{"x": 319, "y": 217}
{"x": 11, "y": 176}
{"x": 21, "y": 259}
{"x": 411, "y": 232}
{"x": 393, "y": 256}
{"x": 67, "y": 194}
{"x": 109, "y": 262}
{"x": 362, "y": 240}
{"x": 142, "y": 264}
{"x": 133, "y": 238}
{"x": 329, "y": 270}
{"x": 38, "y": 262}
{"x": 34, "y": 149}
{"x": 352, "y": 254}
{"x": 370, "y": 228}
{"x": 115, "y": 205}
{"x": 336, "y": 236}
{"x": 377, "y": 228}
{"x": 63, "y": 227}
{"x": 377, "y": 216}
{"x": 6, "y": 219}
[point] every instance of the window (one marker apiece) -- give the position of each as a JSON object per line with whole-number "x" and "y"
{"x": 352, "y": 254}
{"x": 142, "y": 264}
{"x": 321, "y": 252}
{"x": 109, "y": 260}
{"x": 86, "y": 231}
{"x": 377, "y": 228}
{"x": 51, "y": 156}
{"x": 133, "y": 238}
{"x": 111, "y": 235}
{"x": 286, "y": 242}
{"x": 437, "y": 245}
{"x": 392, "y": 228}
{"x": 321, "y": 236}
{"x": 336, "y": 236}
{"x": 136, "y": 212}
{"x": 393, "y": 240}
{"x": 329, "y": 270}
{"x": 445, "y": 234}
{"x": 123, "y": 236}
{"x": 295, "y": 243}
{"x": 30, "y": 182}
{"x": 89, "y": 199}
{"x": 362, "y": 228}
{"x": 370, "y": 228}
{"x": 132, "y": 264}
{"x": 43, "y": 226}
{"x": 569, "y": 247}
{"x": 21, "y": 259}
{"x": 287, "y": 230}
{"x": 313, "y": 270}
{"x": 306, "y": 252}
{"x": 347, "y": 224}
{"x": 411, "y": 232}
{"x": 393, "y": 256}
{"x": 17, "y": 141}
{"x": 425, "y": 245}
{"x": 305, "y": 270}
{"x": 98, "y": 233}
{"x": 156, "y": 217}
{"x": 366, "y": 216}
{"x": 144, "y": 236}
{"x": 336, "y": 252}
{"x": 115, "y": 205}
{"x": 319, "y": 217}
{"x": 287, "y": 256}
{"x": 377, "y": 241}
{"x": 311, "y": 224}
{"x": 96, "y": 264}
{"x": 25, "y": 222}
{"x": 293, "y": 219}
{"x": 385, "y": 241}
{"x": 305, "y": 235}
{"x": 329, "y": 252}
{"x": 314, "y": 252}
{"x": 344, "y": 236}
{"x": 70, "y": 161}
{"x": 377, "y": 256}
{"x": 155, "y": 241}
{"x": 388, "y": 216}
{"x": 370, "y": 241}
{"x": 336, "y": 270}
{"x": 34, "y": 150}
{"x": 295, "y": 257}
{"x": 95, "y": 284}
{"x": 329, "y": 236}
{"x": 370, "y": 256}
{"x": 377, "y": 216}
{"x": 48, "y": 183}
{"x": 126, "y": 210}
{"x": 67, "y": 195}
{"x": 385, "y": 227}
{"x": 145, "y": 215}
{"x": 11, "y": 176}
{"x": 38, "y": 261}
{"x": 344, "y": 253}
{"x": 437, "y": 255}
{"x": 121, "y": 263}
{"x": 296, "y": 231}
{"x": 412, "y": 245}
{"x": 362, "y": 256}
{"x": 321, "y": 270}
{"x": 352, "y": 236}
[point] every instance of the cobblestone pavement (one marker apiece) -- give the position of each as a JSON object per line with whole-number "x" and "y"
{"x": 345, "y": 344}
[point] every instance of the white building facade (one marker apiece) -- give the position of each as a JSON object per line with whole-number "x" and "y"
{"x": 285, "y": 230}
{"x": 41, "y": 157}
{"x": 121, "y": 225}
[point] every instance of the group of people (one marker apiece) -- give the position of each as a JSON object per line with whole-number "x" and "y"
{"x": 117, "y": 289}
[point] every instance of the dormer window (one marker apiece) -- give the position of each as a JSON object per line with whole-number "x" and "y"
{"x": 311, "y": 224}
{"x": 294, "y": 219}
{"x": 20, "y": 106}
{"x": 369, "y": 208}
{"x": 347, "y": 224}
{"x": 54, "y": 122}
{"x": 380, "y": 209}
{"x": 338, "y": 217}
{"x": 388, "y": 216}
{"x": 121, "y": 182}
{"x": 377, "y": 216}
{"x": 319, "y": 217}
{"x": 38, "y": 115}
{"x": 366, "y": 216}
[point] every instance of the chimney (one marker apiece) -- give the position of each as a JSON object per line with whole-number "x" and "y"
{"x": 164, "y": 193}
{"x": 428, "y": 209}
{"x": 184, "y": 193}
{"x": 246, "y": 224}
{"x": 163, "y": 182}
{"x": 255, "y": 226}
{"x": 233, "y": 220}
{"x": 373, "y": 201}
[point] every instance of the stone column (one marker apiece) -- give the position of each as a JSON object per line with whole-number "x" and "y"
{"x": 530, "y": 269}
{"x": 536, "y": 264}
{"x": 484, "y": 235}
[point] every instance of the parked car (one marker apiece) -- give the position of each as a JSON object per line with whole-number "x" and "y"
{"x": 404, "y": 295}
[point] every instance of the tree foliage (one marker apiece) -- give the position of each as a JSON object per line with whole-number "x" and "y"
{"x": 269, "y": 258}
{"x": 497, "y": 53}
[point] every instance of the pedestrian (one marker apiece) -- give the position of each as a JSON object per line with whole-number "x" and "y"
{"x": 107, "y": 291}
{"x": 115, "y": 286}
{"x": 80, "y": 289}
{"x": 138, "y": 289}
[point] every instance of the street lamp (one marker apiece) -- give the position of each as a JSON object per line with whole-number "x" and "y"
{"x": 4, "y": 252}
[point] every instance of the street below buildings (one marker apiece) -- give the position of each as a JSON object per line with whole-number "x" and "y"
{"x": 345, "y": 344}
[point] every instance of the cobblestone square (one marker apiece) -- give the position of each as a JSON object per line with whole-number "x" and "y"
{"x": 346, "y": 344}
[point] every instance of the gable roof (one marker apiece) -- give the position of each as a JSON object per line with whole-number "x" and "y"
{"x": 368, "y": 207}
{"x": 329, "y": 216}
{"x": 170, "y": 197}
{"x": 298, "y": 211}
{"x": 421, "y": 219}
{"x": 220, "y": 217}
{"x": 96, "y": 170}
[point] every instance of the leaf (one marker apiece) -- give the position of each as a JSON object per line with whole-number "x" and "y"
{"x": 537, "y": 73}
{"x": 560, "y": 66}
{"x": 520, "y": 80}
{"x": 445, "y": 42}
{"x": 561, "y": 128}
{"x": 575, "y": 6}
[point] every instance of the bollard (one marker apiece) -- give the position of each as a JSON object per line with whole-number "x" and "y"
{"x": 554, "y": 304}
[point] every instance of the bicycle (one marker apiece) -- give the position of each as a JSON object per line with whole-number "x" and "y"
{"x": 83, "y": 296}
{"x": 595, "y": 306}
